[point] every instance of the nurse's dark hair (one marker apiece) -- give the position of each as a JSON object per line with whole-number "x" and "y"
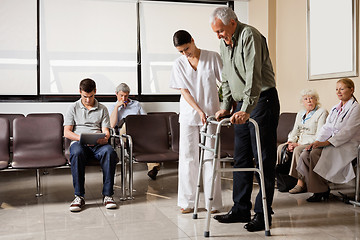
{"x": 181, "y": 37}
{"x": 348, "y": 83}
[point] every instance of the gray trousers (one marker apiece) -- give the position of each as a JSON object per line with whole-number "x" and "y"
{"x": 306, "y": 165}
{"x": 294, "y": 161}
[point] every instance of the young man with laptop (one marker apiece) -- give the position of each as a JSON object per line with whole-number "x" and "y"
{"x": 87, "y": 115}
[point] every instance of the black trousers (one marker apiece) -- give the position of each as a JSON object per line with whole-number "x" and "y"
{"x": 266, "y": 114}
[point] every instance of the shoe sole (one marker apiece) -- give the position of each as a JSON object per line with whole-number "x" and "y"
{"x": 235, "y": 221}
{"x": 110, "y": 206}
{"x": 232, "y": 221}
{"x": 185, "y": 211}
{"x": 75, "y": 209}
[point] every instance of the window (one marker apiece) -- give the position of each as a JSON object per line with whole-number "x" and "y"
{"x": 18, "y": 46}
{"x": 157, "y": 50}
{"x": 87, "y": 39}
{"x": 48, "y": 46}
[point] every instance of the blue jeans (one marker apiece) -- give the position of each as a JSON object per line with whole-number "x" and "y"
{"x": 266, "y": 114}
{"x": 80, "y": 155}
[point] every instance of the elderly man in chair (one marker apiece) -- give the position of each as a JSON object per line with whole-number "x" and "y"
{"x": 123, "y": 107}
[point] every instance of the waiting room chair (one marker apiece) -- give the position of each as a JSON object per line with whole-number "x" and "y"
{"x": 286, "y": 124}
{"x": 166, "y": 115}
{"x": 4, "y": 143}
{"x": 174, "y": 131}
{"x": 150, "y": 138}
{"x": 37, "y": 144}
{"x": 227, "y": 141}
{"x": 11, "y": 117}
{"x": 58, "y": 116}
{"x": 147, "y": 140}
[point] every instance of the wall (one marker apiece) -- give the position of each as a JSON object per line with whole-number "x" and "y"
{"x": 262, "y": 15}
{"x": 283, "y": 23}
{"x": 291, "y": 58}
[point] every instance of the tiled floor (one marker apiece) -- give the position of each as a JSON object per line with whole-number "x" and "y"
{"x": 153, "y": 214}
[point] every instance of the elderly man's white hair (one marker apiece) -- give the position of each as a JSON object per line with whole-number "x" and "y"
{"x": 225, "y": 14}
{"x": 122, "y": 87}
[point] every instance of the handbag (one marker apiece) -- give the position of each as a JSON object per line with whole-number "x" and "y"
{"x": 285, "y": 182}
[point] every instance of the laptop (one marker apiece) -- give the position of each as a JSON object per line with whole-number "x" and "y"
{"x": 90, "y": 138}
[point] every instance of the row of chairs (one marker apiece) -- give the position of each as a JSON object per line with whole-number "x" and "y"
{"x": 33, "y": 142}
{"x": 36, "y": 142}
{"x": 150, "y": 138}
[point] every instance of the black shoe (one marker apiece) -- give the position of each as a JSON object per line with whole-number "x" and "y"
{"x": 318, "y": 197}
{"x": 257, "y": 223}
{"x": 152, "y": 173}
{"x": 231, "y": 217}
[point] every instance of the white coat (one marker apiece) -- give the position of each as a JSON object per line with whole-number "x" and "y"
{"x": 343, "y": 132}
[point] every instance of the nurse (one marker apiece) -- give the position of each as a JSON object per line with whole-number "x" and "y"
{"x": 195, "y": 74}
{"x": 329, "y": 157}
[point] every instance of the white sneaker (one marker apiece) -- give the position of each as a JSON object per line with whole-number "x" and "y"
{"x": 77, "y": 204}
{"x": 109, "y": 202}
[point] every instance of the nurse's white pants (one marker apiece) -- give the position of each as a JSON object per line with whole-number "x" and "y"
{"x": 189, "y": 168}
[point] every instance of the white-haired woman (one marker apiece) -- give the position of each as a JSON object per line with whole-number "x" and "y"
{"x": 308, "y": 122}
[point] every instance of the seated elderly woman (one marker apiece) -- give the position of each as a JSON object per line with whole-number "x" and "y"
{"x": 308, "y": 122}
{"x": 329, "y": 157}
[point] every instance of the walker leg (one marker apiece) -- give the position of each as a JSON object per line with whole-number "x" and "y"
{"x": 198, "y": 186}
{"x": 261, "y": 176}
{"x": 264, "y": 202}
{"x": 203, "y": 139}
{"x": 211, "y": 198}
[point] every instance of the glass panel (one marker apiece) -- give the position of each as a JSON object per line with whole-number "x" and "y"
{"x": 87, "y": 39}
{"x": 157, "y": 50}
{"x": 18, "y": 41}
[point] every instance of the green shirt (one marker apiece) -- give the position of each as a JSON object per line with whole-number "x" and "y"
{"x": 247, "y": 68}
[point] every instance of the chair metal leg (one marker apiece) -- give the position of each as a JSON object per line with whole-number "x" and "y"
{"x": 131, "y": 166}
{"x": 38, "y": 184}
{"x": 357, "y": 184}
